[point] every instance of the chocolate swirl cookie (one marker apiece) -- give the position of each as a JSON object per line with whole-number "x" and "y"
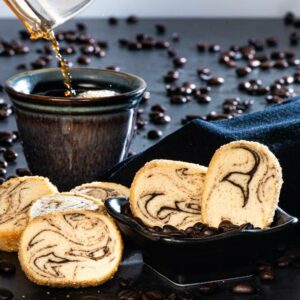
{"x": 16, "y": 197}
{"x": 71, "y": 249}
{"x": 63, "y": 202}
{"x": 102, "y": 190}
{"x": 242, "y": 185}
{"x": 168, "y": 192}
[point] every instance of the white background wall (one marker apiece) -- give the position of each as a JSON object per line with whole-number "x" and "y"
{"x": 182, "y": 8}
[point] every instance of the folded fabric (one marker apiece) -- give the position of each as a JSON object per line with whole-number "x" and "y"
{"x": 278, "y": 127}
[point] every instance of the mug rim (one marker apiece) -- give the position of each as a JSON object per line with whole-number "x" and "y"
{"x": 42, "y": 100}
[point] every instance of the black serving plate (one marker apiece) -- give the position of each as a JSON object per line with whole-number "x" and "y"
{"x": 189, "y": 261}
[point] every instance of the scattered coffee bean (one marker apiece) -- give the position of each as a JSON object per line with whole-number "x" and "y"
{"x": 201, "y": 47}
{"x": 84, "y": 60}
{"x": 10, "y": 155}
{"x": 132, "y": 19}
{"x": 125, "y": 283}
{"x": 289, "y": 18}
{"x": 146, "y": 97}
{"x": 244, "y": 288}
{"x": 160, "y": 28}
{"x": 208, "y": 289}
{"x": 113, "y": 21}
{"x": 215, "y": 80}
{"x": 7, "y": 268}
{"x": 153, "y": 295}
{"x": 267, "y": 274}
{"x": 179, "y": 99}
{"x": 179, "y": 61}
{"x": 283, "y": 262}
{"x": 241, "y": 72}
{"x": 203, "y": 99}
{"x": 23, "y": 172}
{"x": 128, "y": 294}
{"x": 214, "y": 48}
{"x": 154, "y": 134}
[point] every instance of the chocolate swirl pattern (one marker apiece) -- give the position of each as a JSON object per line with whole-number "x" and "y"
{"x": 63, "y": 202}
{"x": 71, "y": 249}
{"x": 16, "y": 197}
{"x": 168, "y": 192}
{"x": 102, "y": 190}
{"x": 242, "y": 185}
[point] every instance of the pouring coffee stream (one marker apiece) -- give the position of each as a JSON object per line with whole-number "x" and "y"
{"x": 41, "y": 17}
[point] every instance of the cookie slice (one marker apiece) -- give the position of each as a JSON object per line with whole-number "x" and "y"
{"x": 71, "y": 249}
{"x": 16, "y": 197}
{"x": 166, "y": 192}
{"x": 242, "y": 185}
{"x": 63, "y": 202}
{"x": 102, "y": 190}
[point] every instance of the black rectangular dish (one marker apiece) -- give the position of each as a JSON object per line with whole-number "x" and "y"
{"x": 185, "y": 260}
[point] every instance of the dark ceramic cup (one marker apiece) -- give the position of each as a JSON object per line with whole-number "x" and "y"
{"x": 74, "y": 140}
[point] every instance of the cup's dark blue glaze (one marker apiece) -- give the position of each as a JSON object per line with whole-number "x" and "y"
{"x": 74, "y": 140}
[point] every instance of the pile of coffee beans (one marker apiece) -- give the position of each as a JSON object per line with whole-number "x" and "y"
{"x": 199, "y": 230}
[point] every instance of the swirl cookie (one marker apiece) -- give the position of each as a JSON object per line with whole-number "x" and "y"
{"x": 63, "y": 202}
{"x": 168, "y": 192}
{"x": 16, "y": 197}
{"x": 102, "y": 190}
{"x": 242, "y": 185}
{"x": 71, "y": 249}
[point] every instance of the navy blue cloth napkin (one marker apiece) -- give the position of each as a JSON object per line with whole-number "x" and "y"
{"x": 278, "y": 127}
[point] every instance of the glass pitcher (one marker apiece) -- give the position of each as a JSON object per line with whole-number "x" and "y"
{"x": 40, "y": 16}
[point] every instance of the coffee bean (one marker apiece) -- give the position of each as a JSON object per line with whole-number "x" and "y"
{"x": 289, "y": 18}
{"x": 203, "y": 99}
{"x": 215, "y": 80}
{"x": 158, "y": 107}
{"x": 113, "y": 21}
{"x": 128, "y": 294}
{"x": 2, "y": 172}
{"x": 281, "y": 64}
{"x": 21, "y": 67}
{"x": 141, "y": 123}
{"x": 23, "y": 172}
{"x": 283, "y": 262}
{"x": 175, "y": 37}
{"x": 84, "y": 60}
{"x": 214, "y": 48}
{"x": 201, "y": 47}
{"x": 81, "y": 26}
{"x": 132, "y": 19}
{"x": 124, "y": 283}
{"x": 90, "y": 297}
{"x": 241, "y": 72}
{"x": 153, "y": 295}
{"x": 244, "y": 288}
{"x": 114, "y": 68}
{"x": 210, "y": 231}
{"x": 274, "y": 99}
{"x": 162, "y": 44}
{"x": 266, "y": 65}
{"x": 6, "y": 294}
{"x": 272, "y": 41}
{"x": 160, "y": 28}
{"x": 208, "y": 289}
{"x": 171, "y": 52}
{"x": 7, "y": 268}
{"x": 171, "y": 76}
{"x": 10, "y": 155}
{"x": 254, "y": 63}
{"x": 123, "y": 42}
{"x": 226, "y": 226}
{"x": 179, "y": 99}
{"x": 267, "y": 275}
{"x": 146, "y": 97}
{"x": 7, "y": 138}
{"x": 3, "y": 164}
{"x": 154, "y": 134}
{"x": 203, "y": 71}
{"x": 179, "y": 61}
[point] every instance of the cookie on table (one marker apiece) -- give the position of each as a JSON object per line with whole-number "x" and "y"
{"x": 16, "y": 197}
{"x": 166, "y": 192}
{"x": 102, "y": 190}
{"x": 71, "y": 249}
{"x": 243, "y": 184}
{"x": 62, "y": 202}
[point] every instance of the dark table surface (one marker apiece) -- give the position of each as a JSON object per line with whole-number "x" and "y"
{"x": 152, "y": 65}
